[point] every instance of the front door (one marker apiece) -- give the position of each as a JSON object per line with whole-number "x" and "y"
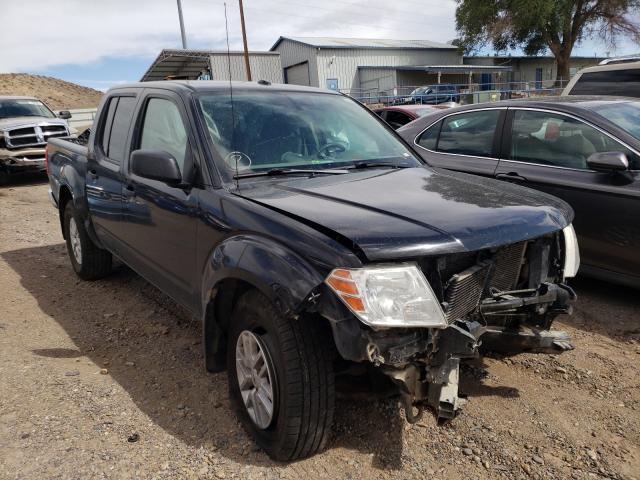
{"x": 548, "y": 151}
{"x": 160, "y": 220}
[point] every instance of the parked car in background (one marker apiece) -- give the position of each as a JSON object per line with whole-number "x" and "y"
{"x": 25, "y": 126}
{"x": 432, "y": 95}
{"x": 400, "y": 115}
{"x": 585, "y": 150}
{"x": 613, "y": 77}
{"x": 309, "y": 239}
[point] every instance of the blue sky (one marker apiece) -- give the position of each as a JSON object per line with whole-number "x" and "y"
{"x": 100, "y": 43}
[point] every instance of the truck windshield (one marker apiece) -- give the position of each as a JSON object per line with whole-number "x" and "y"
{"x": 297, "y": 130}
{"x": 23, "y": 107}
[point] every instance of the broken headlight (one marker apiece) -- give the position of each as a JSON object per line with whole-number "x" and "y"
{"x": 388, "y": 296}
{"x": 571, "y": 252}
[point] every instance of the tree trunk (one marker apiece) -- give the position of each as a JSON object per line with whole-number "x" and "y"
{"x": 562, "y": 70}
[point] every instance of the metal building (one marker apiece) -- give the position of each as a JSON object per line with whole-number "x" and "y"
{"x": 349, "y": 64}
{"x": 214, "y": 65}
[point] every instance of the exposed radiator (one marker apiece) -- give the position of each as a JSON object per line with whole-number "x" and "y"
{"x": 465, "y": 289}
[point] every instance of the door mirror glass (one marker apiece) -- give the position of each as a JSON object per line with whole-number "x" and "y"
{"x": 64, "y": 114}
{"x": 156, "y": 165}
{"x": 608, "y": 161}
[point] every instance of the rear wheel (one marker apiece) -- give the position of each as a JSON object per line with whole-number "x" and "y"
{"x": 281, "y": 378}
{"x": 88, "y": 261}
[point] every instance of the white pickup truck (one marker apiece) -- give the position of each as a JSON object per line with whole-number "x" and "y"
{"x": 25, "y": 126}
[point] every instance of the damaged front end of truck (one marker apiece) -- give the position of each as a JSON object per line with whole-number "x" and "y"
{"x": 418, "y": 320}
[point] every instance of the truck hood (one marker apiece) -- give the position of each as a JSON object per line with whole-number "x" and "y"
{"x": 17, "y": 121}
{"x": 410, "y": 212}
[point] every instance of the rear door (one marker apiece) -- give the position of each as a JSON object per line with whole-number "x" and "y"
{"x": 466, "y": 142}
{"x": 548, "y": 151}
{"x": 105, "y": 167}
{"x": 160, "y": 220}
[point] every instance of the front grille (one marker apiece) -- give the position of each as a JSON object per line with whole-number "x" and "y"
{"x": 33, "y": 135}
{"x": 465, "y": 290}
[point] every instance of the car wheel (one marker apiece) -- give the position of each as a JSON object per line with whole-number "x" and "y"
{"x": 281, "y": 379}
{"x": 88, "y": 261}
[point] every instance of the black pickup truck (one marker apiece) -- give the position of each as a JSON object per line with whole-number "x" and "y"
{"x": 312, "y": 242}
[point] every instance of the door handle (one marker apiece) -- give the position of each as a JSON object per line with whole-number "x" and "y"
{"x": 129, "y": 190}
{"x": 511, "y": 177}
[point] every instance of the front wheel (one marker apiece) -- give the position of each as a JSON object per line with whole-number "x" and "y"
{"x": 281, "y": 378}
{"x": 88, "y": 261}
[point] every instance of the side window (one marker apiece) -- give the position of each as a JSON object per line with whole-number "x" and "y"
{"x": 469, "y": 133}
{"x": 553, "y": 139}
{"x": 120, "y": 128}
{"x": 164, "y": 130}
{"x": 429, "y": 137}
{"x": 108, "y": 122}
{"x": 397, "y": 119}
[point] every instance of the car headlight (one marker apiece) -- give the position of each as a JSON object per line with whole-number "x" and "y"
{"x": 571, "y": 252}
{"x": 388, "y": 296}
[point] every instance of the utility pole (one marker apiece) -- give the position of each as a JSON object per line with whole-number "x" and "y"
{"x": 244, "y": 40}
{"x": 184, "y": 37}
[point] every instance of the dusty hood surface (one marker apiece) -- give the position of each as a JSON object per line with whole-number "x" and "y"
{"x": 400, "y": 213}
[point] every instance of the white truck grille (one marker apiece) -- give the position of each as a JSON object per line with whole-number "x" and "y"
{"x": 33, "y": 135}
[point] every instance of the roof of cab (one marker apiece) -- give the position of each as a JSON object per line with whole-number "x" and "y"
{"x": 218, "y": 85}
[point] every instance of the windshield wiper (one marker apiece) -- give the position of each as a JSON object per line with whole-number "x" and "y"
{"x": 289, "y": 171}
{"x": 360, "y": 165}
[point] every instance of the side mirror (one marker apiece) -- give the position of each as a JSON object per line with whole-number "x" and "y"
{"x": 64, "y": 114}
{"x": 608, "y": 162}
{"x": 156, "y": 165}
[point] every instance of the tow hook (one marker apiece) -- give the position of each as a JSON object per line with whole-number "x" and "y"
{"x": 411, "y": 417}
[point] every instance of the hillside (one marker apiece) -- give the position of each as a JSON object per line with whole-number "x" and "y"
{"x": 56, "y": 93}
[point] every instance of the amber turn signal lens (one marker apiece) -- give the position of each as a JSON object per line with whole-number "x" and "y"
{"x": 342, "y": 285}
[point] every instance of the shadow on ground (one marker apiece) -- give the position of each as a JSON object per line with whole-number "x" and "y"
{"x": 152, "y": 348}
{"x": 27, "y": 179}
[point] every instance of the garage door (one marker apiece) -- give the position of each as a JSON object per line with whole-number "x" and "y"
{"x": 298, "y": 74}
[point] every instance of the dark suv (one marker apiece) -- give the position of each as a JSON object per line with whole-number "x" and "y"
{"x": 433, "y": 95}
{"x": 311, "y": 241}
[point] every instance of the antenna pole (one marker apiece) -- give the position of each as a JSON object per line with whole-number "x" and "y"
{"x": 244, "y": 40}
{"x": 184, "y": 36}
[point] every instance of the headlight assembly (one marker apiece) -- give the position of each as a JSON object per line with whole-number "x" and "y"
{"x": 388, "y": 296}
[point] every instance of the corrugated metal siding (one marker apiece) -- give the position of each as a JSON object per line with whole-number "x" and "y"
{"x": 263, "y": 67}
{"x": 293, "y": 53}
{"x": 343, "y": 63}
{"x": 378, "y": 80}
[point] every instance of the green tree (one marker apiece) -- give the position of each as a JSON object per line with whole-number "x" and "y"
{"x": 538, "y": 25}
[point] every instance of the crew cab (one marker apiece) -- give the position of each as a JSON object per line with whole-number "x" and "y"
{"x": 25, "y": 126}
{"x": 311, "y": 241}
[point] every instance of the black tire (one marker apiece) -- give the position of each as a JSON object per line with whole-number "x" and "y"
{"x": 299, "y": 353}
{"x": 94, "y": 262}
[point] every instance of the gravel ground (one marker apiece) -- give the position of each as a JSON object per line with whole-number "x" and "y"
{"x": 105, "y": 380}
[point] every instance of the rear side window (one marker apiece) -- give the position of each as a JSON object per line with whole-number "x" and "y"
{"x": 469, "y": 133}
{"x": 163, "y": 129}
{"x": 609, "y": 82}
{"x": 397, "y": 119}
{"x": 116, "y": 128}
{"x": 429, "y": 138}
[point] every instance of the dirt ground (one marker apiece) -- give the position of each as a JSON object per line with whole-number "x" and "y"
{"x": 106, "y": 380}
{"x": 56, "y": 93}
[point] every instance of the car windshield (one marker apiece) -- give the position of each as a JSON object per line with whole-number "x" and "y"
{"x": 297, "y": 130}
{"x": 625, "y": 115}
{"x": 23, "y": 107}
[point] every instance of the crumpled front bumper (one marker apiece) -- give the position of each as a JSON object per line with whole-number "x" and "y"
{"x": 23, "y": 159}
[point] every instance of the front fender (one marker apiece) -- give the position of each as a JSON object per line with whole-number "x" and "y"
{"x": 279, "y": 273}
